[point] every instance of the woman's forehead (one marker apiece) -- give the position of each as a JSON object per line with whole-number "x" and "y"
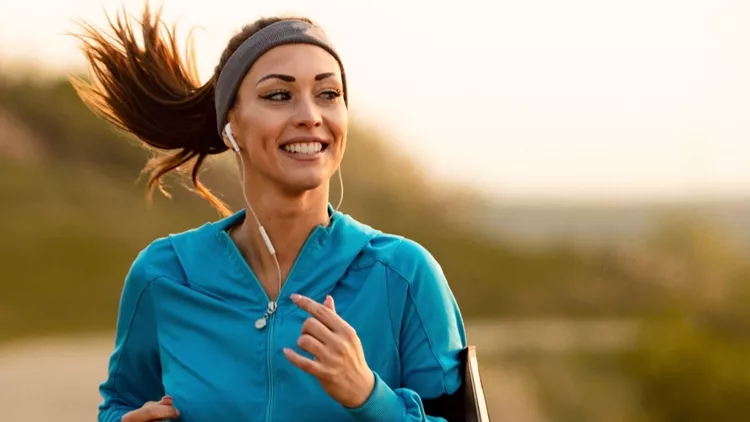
{"x": 298, "y": 60}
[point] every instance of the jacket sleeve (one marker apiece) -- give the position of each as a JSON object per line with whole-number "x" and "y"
{"x": 431, "y": 340}
{"x": 134, "y": 375}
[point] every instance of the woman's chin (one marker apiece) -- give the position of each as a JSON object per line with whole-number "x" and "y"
{"x": 300, "y": 183}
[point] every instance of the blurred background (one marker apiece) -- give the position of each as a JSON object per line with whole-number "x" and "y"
{"x": 579, "y": 168}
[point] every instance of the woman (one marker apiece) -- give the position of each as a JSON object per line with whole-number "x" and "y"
{"x": 293, "y": 311}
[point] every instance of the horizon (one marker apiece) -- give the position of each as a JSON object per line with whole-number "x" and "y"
{"x": 587, "y": 101}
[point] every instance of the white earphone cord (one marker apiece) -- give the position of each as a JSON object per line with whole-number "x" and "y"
{"x": 261, "y": 322}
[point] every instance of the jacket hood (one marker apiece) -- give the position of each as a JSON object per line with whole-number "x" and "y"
{"x": 213, "y": 265}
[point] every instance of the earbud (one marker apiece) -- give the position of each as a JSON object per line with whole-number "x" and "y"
{"x": 261, "y": 322}
{"x": 228, "y": 132}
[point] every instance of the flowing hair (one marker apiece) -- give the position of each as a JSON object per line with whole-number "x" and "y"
{"x": 152, "y": 92}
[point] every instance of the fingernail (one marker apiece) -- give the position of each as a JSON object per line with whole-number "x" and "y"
{"x": 295, "y": 297}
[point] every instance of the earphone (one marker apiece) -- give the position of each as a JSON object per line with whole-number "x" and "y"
{"x": 261, "y": 322}
{"x": 228, "y": 132}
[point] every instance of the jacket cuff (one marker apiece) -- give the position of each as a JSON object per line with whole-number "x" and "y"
{"x": 383, "y": 405}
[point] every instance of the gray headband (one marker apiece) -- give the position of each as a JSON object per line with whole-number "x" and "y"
{"x": 239, "y": 63}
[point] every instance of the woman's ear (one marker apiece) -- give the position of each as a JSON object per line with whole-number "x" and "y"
{"x": 229, "y": 139}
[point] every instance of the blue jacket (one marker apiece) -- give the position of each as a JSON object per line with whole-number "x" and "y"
{"x": 186, "y": 328}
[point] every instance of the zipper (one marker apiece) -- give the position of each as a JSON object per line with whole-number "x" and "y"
{"x": 269, "y": 317}
{"x": 269, "y": 365}
{"x": 261, "y": 322}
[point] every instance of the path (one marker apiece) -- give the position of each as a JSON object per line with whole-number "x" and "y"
{"x": 56, "y": 378}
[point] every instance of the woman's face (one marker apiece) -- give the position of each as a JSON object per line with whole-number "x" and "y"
{"x": 290, "y": 118}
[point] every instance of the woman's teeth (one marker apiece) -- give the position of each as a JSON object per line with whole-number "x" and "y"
{"x": 304, "y": 148}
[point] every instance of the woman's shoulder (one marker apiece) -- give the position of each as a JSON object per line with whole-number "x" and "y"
{"x": 161, "y": 257}
{"x": 155, "y": 259}
{"x": 411, "y": 271}
{"x": 404, "y": 256}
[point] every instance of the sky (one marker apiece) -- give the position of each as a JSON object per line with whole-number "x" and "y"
{"x": 606, "y": 100}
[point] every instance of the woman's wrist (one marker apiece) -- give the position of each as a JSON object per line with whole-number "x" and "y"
{"x": 363, "y": 392}
{"x": 381, "y": 405}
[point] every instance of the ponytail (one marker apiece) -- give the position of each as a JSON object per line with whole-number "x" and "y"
{"x": 153, "y": 94}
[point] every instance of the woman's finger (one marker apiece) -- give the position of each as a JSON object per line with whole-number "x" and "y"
{"x": 321, "y": 312}
{"x": 329, "y": 303}
{"x": 151, "y": 412}
{"x": 308, "y": 365}
{"x": 313, "y": 346}
{"x": 315, "y": 328}
{"x": 159, "y": 411}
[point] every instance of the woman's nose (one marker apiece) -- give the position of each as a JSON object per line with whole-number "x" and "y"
{"x": 307, "y": 114}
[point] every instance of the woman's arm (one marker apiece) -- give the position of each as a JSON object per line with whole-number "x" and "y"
{"x": 431, "y": 339}
{"x": 134, "y": 376}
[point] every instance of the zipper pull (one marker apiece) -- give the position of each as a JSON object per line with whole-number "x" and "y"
{"x": 261, "y": 322}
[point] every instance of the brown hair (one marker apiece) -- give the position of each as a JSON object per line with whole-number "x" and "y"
{"x": 152, "y": 93}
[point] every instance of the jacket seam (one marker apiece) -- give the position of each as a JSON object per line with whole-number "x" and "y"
{"x": 427, "y": 336}
{"x": 416, "y": 310}
{"x": 390, "y": 317}
{"x": 116, "y": 372}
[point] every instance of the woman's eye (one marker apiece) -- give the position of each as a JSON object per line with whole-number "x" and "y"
{"x": 331, "y": 94}
{"x": 277, "y": 96}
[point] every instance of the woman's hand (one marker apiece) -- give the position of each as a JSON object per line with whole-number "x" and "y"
{"x": 339, "y": 363}
{"x": 153, "y": 411}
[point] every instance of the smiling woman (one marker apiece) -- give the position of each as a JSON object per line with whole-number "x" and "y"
{"x": 297, "y": 313}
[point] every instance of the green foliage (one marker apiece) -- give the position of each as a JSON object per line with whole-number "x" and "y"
{"x": 692, "y": 361}
{"x": 689, "y": 370}
{"x": 70, "y": 131}
{"x": 75, "y": 220}
{"x": 68, "y": 239}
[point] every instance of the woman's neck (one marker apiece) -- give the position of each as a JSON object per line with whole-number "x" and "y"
{"x": 288, "y": 222}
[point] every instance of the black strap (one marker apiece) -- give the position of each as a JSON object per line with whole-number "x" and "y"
{"x": 451, "y": 407}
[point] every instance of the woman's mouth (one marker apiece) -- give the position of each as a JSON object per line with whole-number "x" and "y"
{"x": 304, "y": 148}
